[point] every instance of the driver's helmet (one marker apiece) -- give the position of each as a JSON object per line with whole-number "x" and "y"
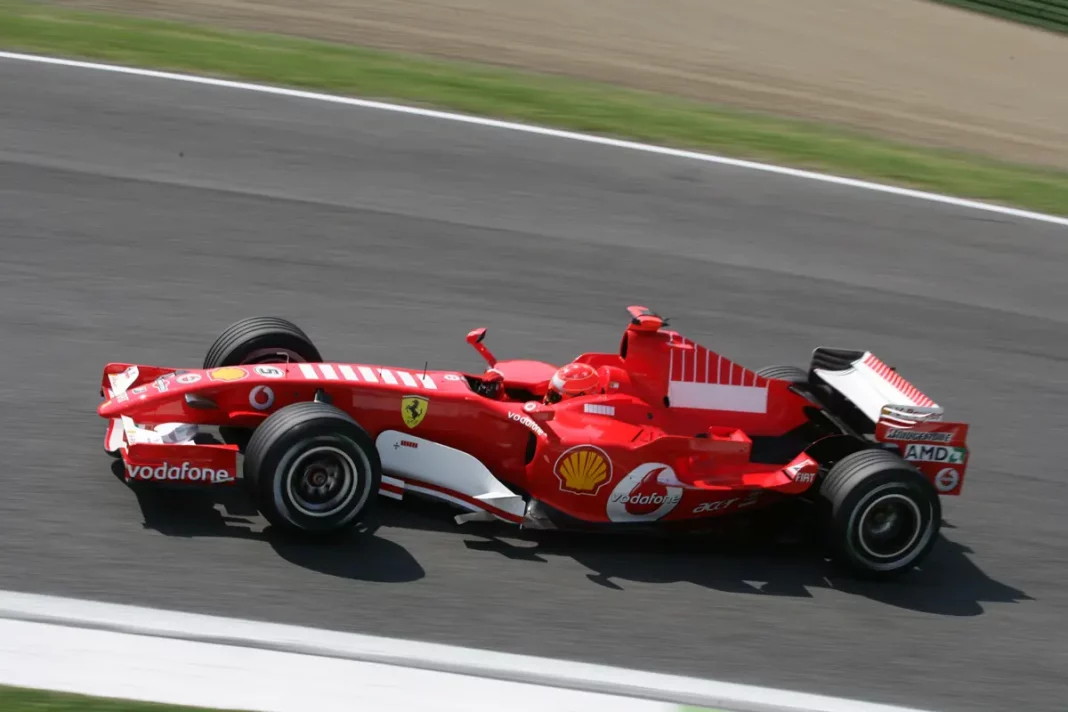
{"x": 574, "y": 379}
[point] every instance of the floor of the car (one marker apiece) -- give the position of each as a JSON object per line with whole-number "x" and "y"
{"x": 781, "y": 449}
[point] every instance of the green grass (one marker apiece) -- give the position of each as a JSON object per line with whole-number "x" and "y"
{"x": 18, "y": 699}
{"x": 1047, "y": 14}
{"x": 550, "y": 101}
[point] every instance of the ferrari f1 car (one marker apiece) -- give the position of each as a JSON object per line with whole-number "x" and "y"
{"x": 673, "y": 434}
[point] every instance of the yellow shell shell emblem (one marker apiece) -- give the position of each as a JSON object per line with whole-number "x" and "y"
{"x": 583, "y": 470}
{"x": 413, "y": 410}
{"x": 228, "y": 373}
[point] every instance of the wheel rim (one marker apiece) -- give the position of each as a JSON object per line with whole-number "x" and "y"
{"x": 322, "y": 481}
{"x": 889, "y": 526}
{"x": 273, "y": 355}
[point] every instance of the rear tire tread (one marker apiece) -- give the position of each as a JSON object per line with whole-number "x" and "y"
{"x": 785, "y": 373}
{"x": 849, "y": 479}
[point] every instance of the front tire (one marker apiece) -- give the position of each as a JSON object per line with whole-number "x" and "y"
{"x": 882, "y": 515}
{"x": 312, "y": 470}
{"x": 261, "y": 339}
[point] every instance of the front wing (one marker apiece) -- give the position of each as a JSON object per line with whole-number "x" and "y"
{"x": 170, "y": 453}
{"x": 167, "y": 453}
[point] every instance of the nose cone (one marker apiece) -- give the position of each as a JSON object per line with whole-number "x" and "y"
{"x": 111, "y": 408}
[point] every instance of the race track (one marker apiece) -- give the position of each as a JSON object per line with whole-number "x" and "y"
{"x": 139, "y": 217}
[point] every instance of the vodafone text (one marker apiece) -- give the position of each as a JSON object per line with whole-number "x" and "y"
{"x": 179, "y": 473}
{"x": 528, "y": 422}
{"x": 646, "y": 499}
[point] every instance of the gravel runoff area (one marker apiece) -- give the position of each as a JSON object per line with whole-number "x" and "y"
{"x": 905, "y": 69}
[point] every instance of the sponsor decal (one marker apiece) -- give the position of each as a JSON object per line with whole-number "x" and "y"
{"x": 405, "y": 443}
{"x": 139, "y": 389}
{"x": 261, "y": 397}
{"x": 413, "y": 410}
{"x": 642, "y": 496}
{"x": 794, "y": 472}
{"x": 524, "y": 420}
{"x": 453, "y": 377}
{"x": 714, "y": 506}
{"x": 179, "y": 473}
{"x": 599, "y": 409}
{"x": 583, "y": 469}
{"x": 935, "y": 453}
{"x": 269, "y": 371}
{"x": 186, "y": 378}
{"x": 228, "y": 373}
{"x": 947, "y": 479}
{"x": 725, "y": 504}
{"x": 909, "y": 411}
{"x": 161, "y": 385}
{"x": 121, "y": 398}
{"x": 917, "y": 435}
{"x": 530, "y": 406}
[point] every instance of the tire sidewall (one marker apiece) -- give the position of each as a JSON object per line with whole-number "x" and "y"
{"x": 277, "y": 476}
{"x": 849, "y": 514}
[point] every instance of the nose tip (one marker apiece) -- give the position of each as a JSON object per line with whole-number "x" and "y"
{"x": 108, "y": 408}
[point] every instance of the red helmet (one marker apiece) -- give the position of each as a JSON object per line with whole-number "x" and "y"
{"x": 574, "y": 379}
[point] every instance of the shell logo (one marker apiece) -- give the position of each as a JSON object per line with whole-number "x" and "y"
{"x": 583, "y": 470}
{"x": 228, "y": 373}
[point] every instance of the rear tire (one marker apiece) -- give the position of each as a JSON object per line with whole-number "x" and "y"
{"x": 882, "y": 516}
{"x": 312, "y": 470}
{"x": 261, "y": 339}
{"x": 793, "y": 374}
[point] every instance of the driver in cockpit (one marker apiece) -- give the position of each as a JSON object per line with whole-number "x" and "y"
{"x": 571, "y": 381}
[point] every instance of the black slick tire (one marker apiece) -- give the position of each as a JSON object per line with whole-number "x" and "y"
{"x": 261, "y": 339}
{"x": 312, "y": 470}
{"x": 793, "y": 374}
{"x": 882, "y": 516}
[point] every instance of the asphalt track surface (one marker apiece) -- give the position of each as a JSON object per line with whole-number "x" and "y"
{"x": 139, "y": 217}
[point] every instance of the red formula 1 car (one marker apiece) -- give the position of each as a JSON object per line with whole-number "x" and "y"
{"x": 670, "y": 433}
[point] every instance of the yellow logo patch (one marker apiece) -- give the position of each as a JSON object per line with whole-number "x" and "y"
{"x": 413, "y": 410}
{"x": 583, "y": 470}
{"x": 229, "y": 373}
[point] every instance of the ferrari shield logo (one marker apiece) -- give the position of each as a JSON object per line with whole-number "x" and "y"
{"x": 413, "y": 409}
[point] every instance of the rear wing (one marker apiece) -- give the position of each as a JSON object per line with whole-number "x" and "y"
{"x": 874, "y": 389}
{"x": 875, "y": 400}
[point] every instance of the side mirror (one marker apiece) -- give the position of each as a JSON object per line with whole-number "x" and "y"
{"x": 475, "y": 338}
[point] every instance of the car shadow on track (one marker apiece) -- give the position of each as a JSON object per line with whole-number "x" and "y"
{"x": 361, "y": 555}
{"x": 949, "y": 583}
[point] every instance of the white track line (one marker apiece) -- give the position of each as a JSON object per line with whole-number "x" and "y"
{"x": 209, "y": 633}
{"x": 542, "y": 131}
{"x": 179, "y": 672}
